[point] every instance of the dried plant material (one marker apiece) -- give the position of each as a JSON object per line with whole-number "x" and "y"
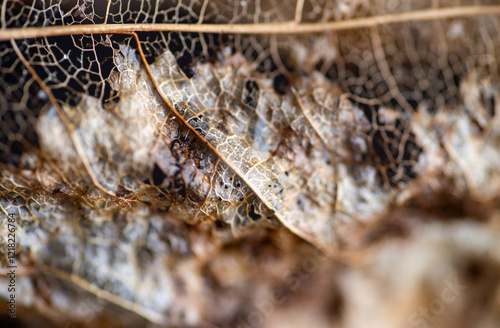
{"x": 180, "y": 177}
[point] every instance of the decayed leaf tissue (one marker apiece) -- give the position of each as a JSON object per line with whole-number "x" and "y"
{"x": 348, "y": 177}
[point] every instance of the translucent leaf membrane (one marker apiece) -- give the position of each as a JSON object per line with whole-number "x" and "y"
{"x": 344, "y": 139}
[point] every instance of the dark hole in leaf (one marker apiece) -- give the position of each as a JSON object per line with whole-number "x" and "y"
{"x": 489, "y": 102}
{"x": 158, "y": 176}
{"x": 219, "y": 224}
{"x": 281, "y": 84}
{"x": 254, "y": 216}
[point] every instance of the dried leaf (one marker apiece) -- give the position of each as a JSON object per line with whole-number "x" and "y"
{"x": 127, "y": 157}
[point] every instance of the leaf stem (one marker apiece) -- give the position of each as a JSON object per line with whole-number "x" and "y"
{"x": 291, "y": 27}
